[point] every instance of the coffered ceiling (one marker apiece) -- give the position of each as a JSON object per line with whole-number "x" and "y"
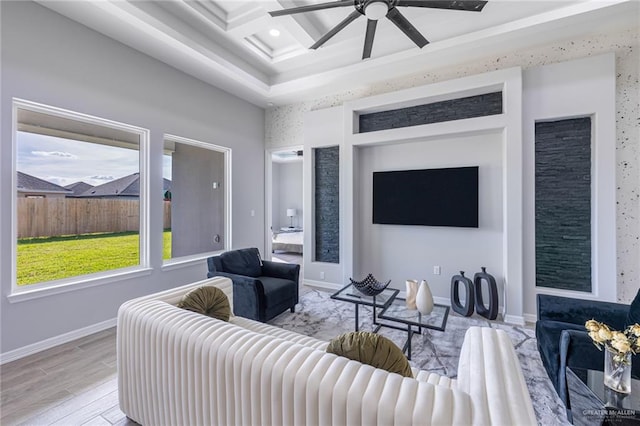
{"x": 238, "y": 46}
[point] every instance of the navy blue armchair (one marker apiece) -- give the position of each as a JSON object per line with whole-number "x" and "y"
{"x": 262, "y": 289}
{"x": 564, "y": 342}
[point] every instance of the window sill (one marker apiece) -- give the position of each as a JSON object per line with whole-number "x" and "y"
{"x": 183, "y": 262}
{"x": 25, "y": 293}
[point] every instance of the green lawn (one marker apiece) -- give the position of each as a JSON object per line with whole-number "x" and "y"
{"x": 53, "y": 258}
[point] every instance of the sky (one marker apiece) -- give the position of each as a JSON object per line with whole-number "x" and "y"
{"x": 64, "y": 161}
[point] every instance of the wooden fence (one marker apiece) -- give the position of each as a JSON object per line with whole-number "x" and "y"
{"x": 47, "y": 217}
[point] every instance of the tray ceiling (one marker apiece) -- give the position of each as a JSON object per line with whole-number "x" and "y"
{"x": 237, "y": 46}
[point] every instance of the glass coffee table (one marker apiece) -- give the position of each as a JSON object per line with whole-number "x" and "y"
{"x": 352, "y": 295}
{"x": 413, "y": 320}
{"x": 394, "y": 309}
{"x": 591, "y": 402}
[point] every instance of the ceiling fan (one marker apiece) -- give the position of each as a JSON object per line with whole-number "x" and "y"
{"x": 378, "y": 9}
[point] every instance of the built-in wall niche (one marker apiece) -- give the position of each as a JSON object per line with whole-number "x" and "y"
{"x": 481, "y": 105}
{"x": 563, "y": 204}
{"x": 326, "y": 190}
{"x": 401, "y": 252}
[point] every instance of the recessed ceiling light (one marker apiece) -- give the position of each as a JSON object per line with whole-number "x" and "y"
{"x": 274, "y": 32}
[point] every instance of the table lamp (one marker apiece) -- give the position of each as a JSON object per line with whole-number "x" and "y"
{"x": 291, "y": 213}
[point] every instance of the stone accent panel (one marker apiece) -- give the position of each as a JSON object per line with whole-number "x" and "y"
{"x": 454, "y": 109}
{"x": 327, "y": 204}
{"x": 563, "y": 204}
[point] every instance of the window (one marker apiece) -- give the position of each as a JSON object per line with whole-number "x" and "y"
{"x": 80, "y": 194}
{"x": 196, "y": 193}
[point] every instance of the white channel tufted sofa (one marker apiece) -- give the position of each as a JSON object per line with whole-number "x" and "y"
{"x": 176, "y": 367}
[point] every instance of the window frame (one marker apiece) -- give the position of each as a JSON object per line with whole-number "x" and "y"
{"x": 176, "y": 262}
{"x": 46, "y": 288}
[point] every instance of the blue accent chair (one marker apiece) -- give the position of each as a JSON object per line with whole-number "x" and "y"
{"x": 564, "y": 342}
{"x": 262, "y": 289}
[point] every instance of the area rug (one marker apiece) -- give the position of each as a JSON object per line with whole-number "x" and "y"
{"x": 320, "y": 316}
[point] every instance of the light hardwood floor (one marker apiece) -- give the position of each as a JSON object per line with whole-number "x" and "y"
{"x": 71, "y": 384}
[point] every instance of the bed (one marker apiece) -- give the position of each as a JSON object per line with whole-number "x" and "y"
{"x": 287, "y": 241}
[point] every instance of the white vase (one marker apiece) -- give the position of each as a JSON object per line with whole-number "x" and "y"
{"x": 412, "y": 290}
{"x": 424, "y": 298}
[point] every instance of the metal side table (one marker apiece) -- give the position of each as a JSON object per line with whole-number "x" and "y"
{"x": 381, "y": 301}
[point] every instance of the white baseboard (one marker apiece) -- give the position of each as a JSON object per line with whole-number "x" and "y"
{"x": 323, "y": 285}
{"x": 55, "y": 341}
{"x": 514, "y": 319}
{"x": 530, "y": 318}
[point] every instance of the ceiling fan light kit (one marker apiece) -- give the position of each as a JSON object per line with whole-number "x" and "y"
{"x": 374, "y": 10}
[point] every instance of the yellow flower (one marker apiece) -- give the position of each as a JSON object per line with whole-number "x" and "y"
{"x": 595, "y": 337}
{"x": 618, "y": 335}
{"x": 592, "y": 325}
{"x": 621, "y": 345}
{"x": 604, "y": 334}
{"x": 620, "y": 342}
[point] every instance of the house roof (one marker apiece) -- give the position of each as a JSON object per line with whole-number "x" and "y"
{"x": 127, "y": 186}
{"x": 28, "y": 183}
{"x": 124, "y": 186}
{"x": 79, "y": 187}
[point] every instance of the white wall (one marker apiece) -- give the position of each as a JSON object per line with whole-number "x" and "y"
{"x": 400, "y": 252}
{"x": 316, "y": 135}
{"x": 574, "y": 88}
{"x": 581, "y": 88}
{"x": 50, "y": 59}
{"x": 287, "y": 182}
{"x": 285, "y": 124}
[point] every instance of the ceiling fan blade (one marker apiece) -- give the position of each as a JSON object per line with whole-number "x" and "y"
{"x": 368, "y": 39}
{"x": 468, "y": 5}
{"x": 312, "y": 7}
{"x": 335, "y": 30}
{"x": 401, "y": 22}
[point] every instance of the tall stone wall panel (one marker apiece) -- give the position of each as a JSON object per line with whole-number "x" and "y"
{"x": 327, "y": 204}
{"x": 563, "y": 204}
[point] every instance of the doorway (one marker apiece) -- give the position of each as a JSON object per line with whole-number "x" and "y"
{"x": 284, "y": 214}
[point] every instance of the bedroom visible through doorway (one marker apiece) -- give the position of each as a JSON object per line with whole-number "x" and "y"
{"x": 286, "y": 219}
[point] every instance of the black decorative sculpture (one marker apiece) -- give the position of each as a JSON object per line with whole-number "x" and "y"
{"x": 467, "y": 308}
{"x": 369, "y": 286}
{"x": 491, "y": 311}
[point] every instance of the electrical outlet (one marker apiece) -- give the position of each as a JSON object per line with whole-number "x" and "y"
{"x": 436, "y": 270}
{"x": 322, "y": 275}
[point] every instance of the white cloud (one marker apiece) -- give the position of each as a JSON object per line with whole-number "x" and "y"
{"x": 54, "y": 154}
{"x": 102, "y": 177}
{"x": 65, "y": 161}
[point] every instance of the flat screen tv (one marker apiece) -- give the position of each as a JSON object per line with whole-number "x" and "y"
{"x": 431, "y": 197}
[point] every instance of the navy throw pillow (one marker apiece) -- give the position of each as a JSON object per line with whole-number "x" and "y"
{"x": 633, "y": 317}
{"x": 242, "y": 262}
